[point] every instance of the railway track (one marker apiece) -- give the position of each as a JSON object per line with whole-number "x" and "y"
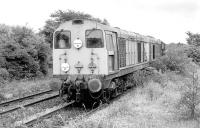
{"x": 100, "y": 107}
{"x": 30, "y": 120}
{"x": 49, "y": 94}
{"x": 6, "y": 103}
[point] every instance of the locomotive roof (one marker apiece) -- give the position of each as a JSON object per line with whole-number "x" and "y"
{"x": 122, "y": 33}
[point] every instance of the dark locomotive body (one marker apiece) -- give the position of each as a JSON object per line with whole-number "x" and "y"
{"x": 93, "y": 60}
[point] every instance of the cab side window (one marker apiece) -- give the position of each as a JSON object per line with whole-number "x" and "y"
{"x": 109, "y": 42}
{"x": 62, "y": 40}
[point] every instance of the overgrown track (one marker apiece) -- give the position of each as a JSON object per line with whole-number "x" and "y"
{"x": 101, "y": 106}
{"x": 23, "y": 98}
{"x": 48, "y": 95}
{"x": 28, "y": 121}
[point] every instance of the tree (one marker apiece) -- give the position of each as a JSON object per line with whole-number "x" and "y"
{"x": 62, "y": 16}
{"x": 193, "y": 39}
{"x": 194, "y": 51}
{"x": 5, "y": 34}
{"x": 105, "y": 22}
{"x": 59, "y": 17}
{"x": 48, "y": 30}
{"x": 20, "y": 52}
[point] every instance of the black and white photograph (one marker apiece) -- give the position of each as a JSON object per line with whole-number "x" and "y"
{"x": 100, "y": 64}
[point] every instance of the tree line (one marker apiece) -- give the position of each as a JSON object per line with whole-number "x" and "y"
{"x": 26, "y": 54}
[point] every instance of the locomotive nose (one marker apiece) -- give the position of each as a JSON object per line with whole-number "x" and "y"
{"x": 94, "y": 85}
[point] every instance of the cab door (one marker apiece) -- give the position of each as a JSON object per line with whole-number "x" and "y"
{"x": 111, "y": 45}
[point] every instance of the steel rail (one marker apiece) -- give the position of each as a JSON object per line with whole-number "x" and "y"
{"x": 49, "y": 96}
{"x": 31, "y": 119}
{"x": 101, "y": 106}
{"x": 26, "y": 97}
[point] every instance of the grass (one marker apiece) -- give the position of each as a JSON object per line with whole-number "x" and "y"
{"x": 153, "y": 106}
{"x": 22, "y": 88}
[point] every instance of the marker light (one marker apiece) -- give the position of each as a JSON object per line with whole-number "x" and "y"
{"x": 78, "y": 43}
{"x": 65, "y": 67}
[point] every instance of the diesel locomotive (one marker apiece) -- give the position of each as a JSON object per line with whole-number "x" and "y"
{"x": 93, "y": 59}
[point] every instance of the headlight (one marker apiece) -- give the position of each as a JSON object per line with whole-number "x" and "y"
{"x": 94, "y": 85}
{"x": 65, "y": 67}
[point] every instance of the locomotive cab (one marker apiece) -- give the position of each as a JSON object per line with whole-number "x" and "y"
{"x": 80, "y": 55}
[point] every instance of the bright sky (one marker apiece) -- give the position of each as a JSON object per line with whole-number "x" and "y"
{"x": 167, "y": 20}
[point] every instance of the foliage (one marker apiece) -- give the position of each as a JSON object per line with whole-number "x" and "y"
{"x": 139, "y": 77}
{"x": 159, "y": 65}
{"x": 5, "y": 34}
{"x": 59, "y": 17}
{"x": 175, "y": 59}
{"x": 193, "y": 39}
{"x": 105, "y": 22}
{"x": 21, "y": 52}
{"x": 43, "y": 52}
{"x": 194, "y": 53}
{"x": 18, "y": 62}
{"x": 190, "y": 98}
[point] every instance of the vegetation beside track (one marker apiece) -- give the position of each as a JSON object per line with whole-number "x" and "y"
{"x": 23, "y": 55}
{"x": 169, "y": 99}
{"x": 18, "y": 89}
{"x": 154, "y": 105}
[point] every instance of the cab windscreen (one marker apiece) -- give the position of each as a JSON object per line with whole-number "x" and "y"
{"x": 62, "y": 40}
{"x": 94, "y": 38}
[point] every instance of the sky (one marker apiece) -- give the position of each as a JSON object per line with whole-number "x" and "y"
{"x": 168, "y": 20}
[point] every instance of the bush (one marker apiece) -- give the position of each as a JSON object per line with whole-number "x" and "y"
{"x": 158, "y": 65}
{"x": 139, "y": 77}
{"x": 175, "y": 59}
{"x": 19, "y": 63}
{"x": 23, "y": 53}
{"x": 194, "y": 53}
